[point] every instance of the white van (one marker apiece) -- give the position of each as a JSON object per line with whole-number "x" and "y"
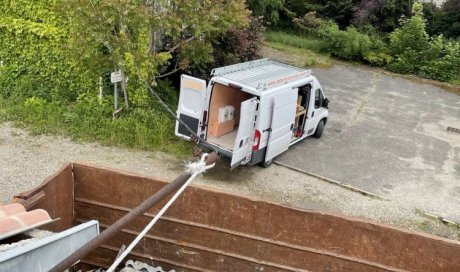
{"x": 251, "y": 112}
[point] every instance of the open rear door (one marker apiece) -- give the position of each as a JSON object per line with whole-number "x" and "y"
{"x": 283, "y": 117}
{"x": 243, "y": 143}
{"x": 192, "y": 106}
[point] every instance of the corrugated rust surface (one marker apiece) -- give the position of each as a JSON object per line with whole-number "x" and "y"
{"x": 206, "y": 230}
{"x": 55, "y": 195}
{"x": 14, "y": 219}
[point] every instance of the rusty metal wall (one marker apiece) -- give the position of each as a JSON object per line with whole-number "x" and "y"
{"x": 55, "y": 195}
{"x": 206, "y": 230}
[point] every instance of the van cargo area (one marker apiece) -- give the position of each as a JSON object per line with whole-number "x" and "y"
{"x": 224, "y": 114}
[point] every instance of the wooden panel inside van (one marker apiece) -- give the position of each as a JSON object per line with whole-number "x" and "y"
{"x": 223, "y": 96}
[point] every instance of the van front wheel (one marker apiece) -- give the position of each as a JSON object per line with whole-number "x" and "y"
{"x": 319, "y": 130}
{"x": 266, "y": 164}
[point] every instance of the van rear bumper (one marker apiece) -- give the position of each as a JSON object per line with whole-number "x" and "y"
{"x": 217, "y": 148}
{"x": 256, "y": 158}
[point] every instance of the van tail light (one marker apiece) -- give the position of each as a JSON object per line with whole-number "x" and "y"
{"x": 255, "y": 145}
{"x": 203, "y": 120}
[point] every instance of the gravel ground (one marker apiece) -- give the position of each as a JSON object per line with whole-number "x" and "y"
{"x": 25, "y": 160}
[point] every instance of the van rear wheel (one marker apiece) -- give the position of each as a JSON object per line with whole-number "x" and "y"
{"x": 319, "y": 129}
{"x": 266, "y": 164}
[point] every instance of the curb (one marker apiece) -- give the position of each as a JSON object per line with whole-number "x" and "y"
{"x": 331, "y": 181}
{"x": 439, "y": 218}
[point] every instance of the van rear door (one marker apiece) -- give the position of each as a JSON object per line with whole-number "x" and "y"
{"x": 283, "y": 117}
{"x": 244, "y": 138}
{"x": 192, "y": 109}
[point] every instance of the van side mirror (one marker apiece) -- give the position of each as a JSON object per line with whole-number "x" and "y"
{"x": 317, "y": 103}
{"x": 326, "y": 103}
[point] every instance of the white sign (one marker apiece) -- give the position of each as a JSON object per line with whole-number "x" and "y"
{"x": 116, "y": 77}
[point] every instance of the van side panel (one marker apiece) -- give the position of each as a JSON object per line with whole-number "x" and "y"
{"x": 265, "y": 114}
{"x": 282, "y": 123}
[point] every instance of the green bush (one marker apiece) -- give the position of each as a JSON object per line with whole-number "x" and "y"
{"x": 46, "y": 89}
{"x": 378, "y": 58}
{"x": 36, "y": 113}
{"x": 33, "y": 53}
{"x": 442, "y": 60}
{"x": 351, "y": 44}
{"x": 409, "y": 43}
{"x": 348, "y": 44}
{"x": 408, "y": 49}
{"x": 416, "y": 53}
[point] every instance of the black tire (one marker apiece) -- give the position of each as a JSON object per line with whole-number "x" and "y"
{"x": 266, "y": 164}
{"x": 319, "y": 129}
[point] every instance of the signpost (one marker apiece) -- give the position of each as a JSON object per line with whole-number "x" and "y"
{"x": 116, "y": 77}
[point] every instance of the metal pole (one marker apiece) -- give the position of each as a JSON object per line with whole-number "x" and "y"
{"x": 123, "y": 88}
{"x": 100, "y": 89}
{"x": 125, "y": 220}
{"x": 115, "y": 96}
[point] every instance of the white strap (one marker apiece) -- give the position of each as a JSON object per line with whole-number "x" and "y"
{"x": 194, "y": 168}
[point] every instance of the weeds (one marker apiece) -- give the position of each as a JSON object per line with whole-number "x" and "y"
{"x": 311, "y": 43}
{"x": 88, "y": 120}
{"x": 303, "y": 57}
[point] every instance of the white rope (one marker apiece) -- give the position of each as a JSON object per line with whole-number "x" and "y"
{"x": 194, "y": 168}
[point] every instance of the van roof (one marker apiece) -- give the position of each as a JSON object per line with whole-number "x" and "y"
{"x": 260, "y": 75}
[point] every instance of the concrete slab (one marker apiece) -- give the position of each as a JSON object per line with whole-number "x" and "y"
{"x": 389, "y": 136}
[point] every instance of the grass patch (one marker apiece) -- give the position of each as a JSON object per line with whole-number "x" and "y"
{"x": 296, "y": 56}
{"x": 298, "y": 50}
{"x": 455, "y": 81}
{"x": 312, "y": 43}
{"x": 89, "y": 120}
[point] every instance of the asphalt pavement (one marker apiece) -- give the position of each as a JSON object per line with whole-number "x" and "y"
{"x": 389, "y": 136}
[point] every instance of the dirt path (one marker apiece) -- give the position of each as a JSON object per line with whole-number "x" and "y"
{"x": 25, "y": 160}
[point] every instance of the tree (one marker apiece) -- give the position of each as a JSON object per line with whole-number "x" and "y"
{"x": 445, "y": 20}
{"x": 340, "y": 11}
{"x": 382, "y": 14}
{"x": 415, "y": 52}
{"x": 409, "y": 42}
{"x": 269, "y": 9}
{"x": 144, "y": 37}
{"x": 239, "y": 44}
